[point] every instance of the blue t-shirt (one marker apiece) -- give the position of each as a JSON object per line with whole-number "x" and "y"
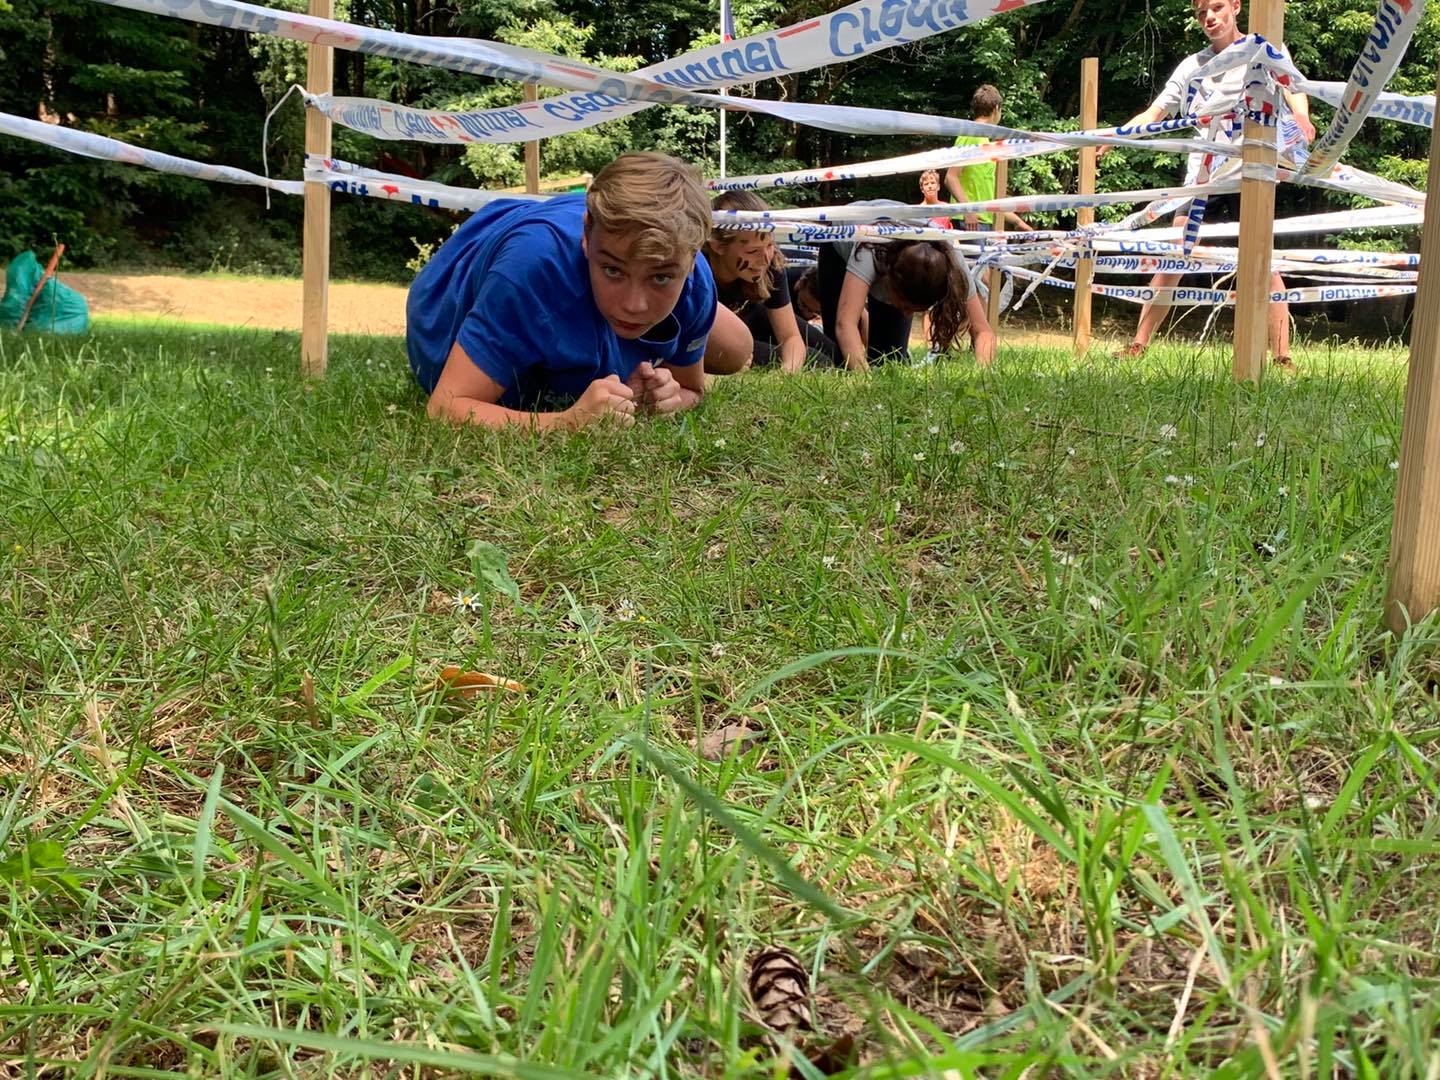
{"x": 512, "y": 286}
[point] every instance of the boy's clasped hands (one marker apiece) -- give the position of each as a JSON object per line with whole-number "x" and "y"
{"x": 650, "y": 389}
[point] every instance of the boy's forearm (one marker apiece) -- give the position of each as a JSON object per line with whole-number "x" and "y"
{"x": 852, "y": 349}
{"x": 485, "y": 414}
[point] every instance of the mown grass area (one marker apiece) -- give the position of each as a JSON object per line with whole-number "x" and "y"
{"x": 1081, "y": 750}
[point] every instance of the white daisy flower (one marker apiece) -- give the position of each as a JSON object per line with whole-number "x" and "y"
{"x": 466, "y": 601}
{"x": 919, "y": 455}
{"x": 719, "y": 444}
{"x": 625, "y": 611}
{"x": 934, "y": 429}
{"x": 1394, "y": 465}
{"x": 716, "y": 649}
{"x": 828, "y": 562}
{"x": 1095, "y": 602}
{"x": 1283, "y": 491}
{"x": 1168, "y": 431}
{"x": 1260, "y": 440}
{"x": 957, "y": 447}
{"x": 1069, "y": 451}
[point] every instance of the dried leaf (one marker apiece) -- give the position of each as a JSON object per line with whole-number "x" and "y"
{"x": 469, "y": 683}
{"x": 780, "y": 989}
{"x": 835, "y": 1057}
{"x": 307, "y": 695}
{"x": 719, "y": 744}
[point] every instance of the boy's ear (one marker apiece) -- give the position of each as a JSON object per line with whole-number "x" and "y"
{"x": 585, "y": 235}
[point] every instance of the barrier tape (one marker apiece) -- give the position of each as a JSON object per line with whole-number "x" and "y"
{"x": 1418, "y": 109}
{"x": 1395, "y": 23}
{"x": 862, "y": 28}
{"x": 107, "y": 149}
{"x": 1193, "y": 297}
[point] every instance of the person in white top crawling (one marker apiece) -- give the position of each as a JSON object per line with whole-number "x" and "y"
{"x": 1184, "y": 94}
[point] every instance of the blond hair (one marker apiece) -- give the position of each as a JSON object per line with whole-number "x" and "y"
{"x": 659, "y": 198}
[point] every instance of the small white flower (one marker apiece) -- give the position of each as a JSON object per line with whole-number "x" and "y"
{"x": 1266, "y": 548}
{"x": 934, "y": 429}
{"x": 11, "y": 439}
{"x": 1260, "y": 440}
{"x": 1064, "y": 558}
{"x": 865, "y": 457}
{"x": 269, "y": 371}
{"x": 625, "y": 611}
{"x": 716, "y": 649}
{"x": 1069, "y": 451}
{"x": 880, "y": 407}
{"x": 1172, "y": 479}
{"x": 466, "y": 601}
{"x": 1233, "y": 444}
{"x": 844, "y": 425}
{"x": 828, "y": 562}
{"x": 1275, "y": 680}
{"x": 1027, "y": 408}
{"x": 1095, "y": 602}
{"x": 212, "y": 352}
{"x": 1347, "y": 558}
{"x": 1188, "y": 480}
{"x": 1316, "y": 802}
{"x": 919, "y": 455}
{"x": 957, "y": 447}
{"x": 391, "y": 408}
{"x": 1002, "y": 464}
{"x": 1394, "y": 465}
{"x": 719, "y": 444}
{"x": 1283, "y": 491}
{"x": 897, "y": 506}
{"x": 1168, "y": 431}
{"x": 824, "y": 480}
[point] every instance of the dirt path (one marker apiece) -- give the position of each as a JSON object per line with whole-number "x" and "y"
{"x": 268, "y": 303}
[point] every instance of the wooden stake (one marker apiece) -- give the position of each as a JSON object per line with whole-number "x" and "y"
{"x": 1257, "y": 221}
{"x": 532, "y": 150}
{"x": 315, "y": 309}
{"x": 992, "y": 306}
{"x": 1085, "y": 267}
{"x": 1415, "y": 537}
{"x": 35, "y": 295}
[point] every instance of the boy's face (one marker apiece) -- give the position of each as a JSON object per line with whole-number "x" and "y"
{"x": 807, "y": 303}
{"x": 633, "y": 294}
{"x": 1218, "y": 19}
{"x": 930, "y": 186}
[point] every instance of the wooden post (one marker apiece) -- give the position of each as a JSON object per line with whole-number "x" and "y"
{"x": 1085, "y": 265}
{"x": 1415, "y": 537}
{"x": 1257, "y": 221}
{"x": 315, "y": 309}
{"x": 532, "y": 150}
{"x": 992, "y": 306}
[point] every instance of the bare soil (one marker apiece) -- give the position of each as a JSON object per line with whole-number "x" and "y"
{"x": 264, "y": 303}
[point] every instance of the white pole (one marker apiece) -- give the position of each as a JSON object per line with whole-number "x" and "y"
{"x": 722, "y": 137}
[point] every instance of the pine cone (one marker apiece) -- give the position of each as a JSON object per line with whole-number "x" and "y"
{"x": 780, "y": 989}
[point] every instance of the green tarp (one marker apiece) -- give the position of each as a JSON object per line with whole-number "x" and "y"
{"x": 58, "y": 309}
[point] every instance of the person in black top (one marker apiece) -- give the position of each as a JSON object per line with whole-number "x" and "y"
{"x": 751, "y": 280}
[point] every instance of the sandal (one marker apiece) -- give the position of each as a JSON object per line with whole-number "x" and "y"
{"x": 1133, "y": 351}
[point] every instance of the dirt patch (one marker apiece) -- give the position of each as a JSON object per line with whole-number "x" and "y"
{"x": 264, "y": 303}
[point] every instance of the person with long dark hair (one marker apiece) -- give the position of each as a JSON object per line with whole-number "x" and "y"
{"x": 893, "y": 281}
{"x": 751, "y": 281}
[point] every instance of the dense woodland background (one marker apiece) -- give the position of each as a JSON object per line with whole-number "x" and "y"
{"x": 203, "y": 93}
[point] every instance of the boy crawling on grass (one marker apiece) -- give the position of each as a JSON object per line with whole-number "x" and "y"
{"x": 571, "y": 310}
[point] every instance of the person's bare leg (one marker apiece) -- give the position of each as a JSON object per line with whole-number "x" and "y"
{"x": 731, "y": 346}
{"x": 1152, "y": 314}
{"x": 1277, "y": 317}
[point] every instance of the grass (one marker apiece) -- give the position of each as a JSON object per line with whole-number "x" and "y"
{"x": 1085, "y": 753}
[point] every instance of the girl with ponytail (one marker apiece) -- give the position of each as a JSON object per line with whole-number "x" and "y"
{"x": 893, "y": 281}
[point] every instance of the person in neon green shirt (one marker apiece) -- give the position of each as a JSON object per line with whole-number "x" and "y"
{"x": 976, "y": 183}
